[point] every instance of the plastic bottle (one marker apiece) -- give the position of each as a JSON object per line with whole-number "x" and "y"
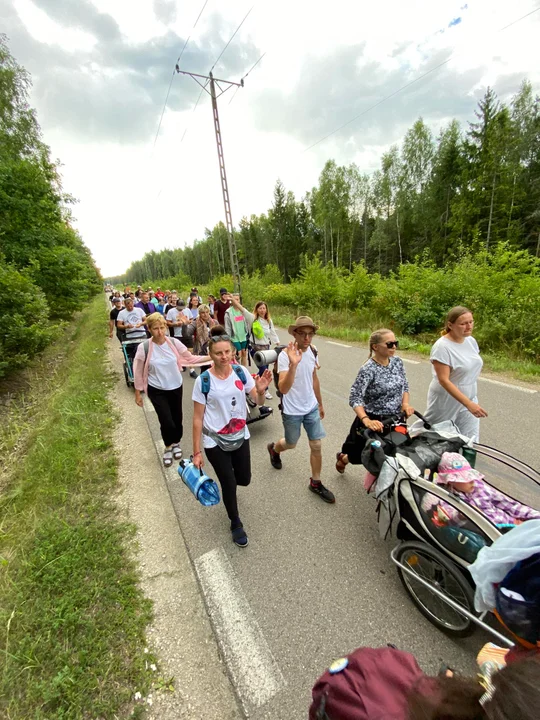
{"x": 470, "y": 455}
{"x": 204, "y": 488}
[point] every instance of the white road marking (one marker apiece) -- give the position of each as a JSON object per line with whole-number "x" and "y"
{"x": 411, "y": 362}
{"x": 331, "y": 342}
{"x": 253, "y": 668}
{"x": 508, "y": 385}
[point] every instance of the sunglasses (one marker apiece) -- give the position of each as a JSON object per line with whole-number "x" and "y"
{"x": 392, "y": 344}
{"x": 219, "y": 338}
{"x": 304, "y": 334}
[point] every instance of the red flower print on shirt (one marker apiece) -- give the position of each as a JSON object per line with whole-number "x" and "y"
{"x": 233, "y": 426}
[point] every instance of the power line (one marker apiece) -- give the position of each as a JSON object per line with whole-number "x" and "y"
{"x": 232, "y": 37}
{"x": 404, "y": 87}
{"x": 254, "y": 66}
{"x": 214, "y": 65}
{"x": 163, "y": 110}
{"x": 194, "y": 108}
{"x": 245, "y": 76}
{"x": 174, "y": 71}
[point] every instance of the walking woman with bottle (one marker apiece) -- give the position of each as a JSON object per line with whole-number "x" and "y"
{"x": 219, "y": 424}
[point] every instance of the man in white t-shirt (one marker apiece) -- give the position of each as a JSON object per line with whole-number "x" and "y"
{"x": 301, "y": 402}
{"x": 131, "y": 321}
{"x": 177, "y": 317}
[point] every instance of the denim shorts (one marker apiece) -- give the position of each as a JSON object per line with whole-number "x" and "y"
{"x": 292, "y": 424}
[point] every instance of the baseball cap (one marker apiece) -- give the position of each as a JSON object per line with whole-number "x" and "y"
{"x": 180, "y": 303}
{"x": 115, "y": 300}
{"x": 223, "y": 290}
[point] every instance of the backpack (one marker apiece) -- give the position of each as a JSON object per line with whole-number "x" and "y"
{"x": 275, "y": 373}
{"x": 518, "y": 599}
{"x": 205, "y": 379}
{"x": 368, "y": 684}
{"x": 462, "y": 542}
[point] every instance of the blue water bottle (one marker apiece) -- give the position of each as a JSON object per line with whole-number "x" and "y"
{"x": 204, "y": 488}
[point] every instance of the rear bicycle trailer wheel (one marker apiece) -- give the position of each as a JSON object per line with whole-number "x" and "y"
{"x": 433, "y": 567}
{"x": 126, "y": 375}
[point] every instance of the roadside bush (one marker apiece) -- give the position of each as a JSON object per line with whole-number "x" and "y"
{"x": 358, "y": 288}
{"x": 417, "y": 297}
{"x": 24, "y": 318}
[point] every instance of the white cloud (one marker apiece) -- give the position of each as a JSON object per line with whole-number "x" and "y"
{"x": 132, "y": 200}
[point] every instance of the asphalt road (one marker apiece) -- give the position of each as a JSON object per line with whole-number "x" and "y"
{"x": 316, "y": 580}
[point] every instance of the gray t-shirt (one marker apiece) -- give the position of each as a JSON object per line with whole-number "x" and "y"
{"x": 463, "y": 359}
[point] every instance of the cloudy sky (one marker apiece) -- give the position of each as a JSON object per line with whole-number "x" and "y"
{"x": 101, "y": 69}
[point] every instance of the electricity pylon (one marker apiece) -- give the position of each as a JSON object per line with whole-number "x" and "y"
{"x": 209, "y": 80}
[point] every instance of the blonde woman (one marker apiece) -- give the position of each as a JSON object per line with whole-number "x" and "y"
{"x": 158, "y": 372}
{"x": 203, "y": 324}
{"x": 379, "y": 391}
{"x": 456, "y": 365}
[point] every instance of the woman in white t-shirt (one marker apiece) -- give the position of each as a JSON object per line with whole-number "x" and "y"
{"x": 219, "y": 420}
{"x": 158, "y": 372}
{"x": 456, "y": 365}
{"x": 261, "y": 328}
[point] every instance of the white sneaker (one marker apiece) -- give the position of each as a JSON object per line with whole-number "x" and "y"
{"x": 267, "y": 395}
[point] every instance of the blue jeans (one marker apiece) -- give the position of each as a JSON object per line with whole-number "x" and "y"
{"x": 292, "y": 424}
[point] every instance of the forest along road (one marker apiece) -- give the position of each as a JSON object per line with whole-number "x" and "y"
{"x": 316, "y": 580}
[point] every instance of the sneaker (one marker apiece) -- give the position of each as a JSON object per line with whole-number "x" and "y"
{"x": 239, "y": 537}
{"x": 319, "y": 489}
{"x": 268, "y": 395}
{"x": 264, "y": 410}
{"x": 275, "y": 458}
{"x": 193, "y": 374}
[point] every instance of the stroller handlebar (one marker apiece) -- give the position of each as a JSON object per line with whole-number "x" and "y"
{"x": 394, "y": 420}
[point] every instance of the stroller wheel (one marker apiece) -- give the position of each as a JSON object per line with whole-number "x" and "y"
{"x": 126, "y": 375}
{"x": 433, "y": 567}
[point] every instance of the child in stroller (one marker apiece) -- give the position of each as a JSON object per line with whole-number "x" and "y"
{"x": 456, "y": 474}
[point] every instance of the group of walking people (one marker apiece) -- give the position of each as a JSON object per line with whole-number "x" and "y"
{"x": 218, "y": 347}
{"x": 379, "y": 391}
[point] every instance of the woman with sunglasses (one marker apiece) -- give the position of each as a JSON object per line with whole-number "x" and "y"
{"x": 219, "y": 424}
{"x": 379, "y": 391}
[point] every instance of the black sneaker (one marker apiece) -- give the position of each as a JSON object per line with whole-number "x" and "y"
{"x": 239, "y": 537}
{"x": 265, "y": 410}
{"x": 193, "y": 374}
{"x": 275, "y": 458}
{"x": 319, "y": 489}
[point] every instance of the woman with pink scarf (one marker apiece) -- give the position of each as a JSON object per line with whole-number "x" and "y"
{"x": 158, "y": 372}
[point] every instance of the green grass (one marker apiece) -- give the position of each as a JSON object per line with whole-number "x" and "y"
{"x": 72, "y": 616}
{"x": 358, "y": 326}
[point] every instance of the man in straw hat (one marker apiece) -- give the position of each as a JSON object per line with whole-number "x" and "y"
{"x": 301, "y": 401}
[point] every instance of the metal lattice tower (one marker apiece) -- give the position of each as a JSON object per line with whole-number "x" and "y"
{"x": 209, "y": 80}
